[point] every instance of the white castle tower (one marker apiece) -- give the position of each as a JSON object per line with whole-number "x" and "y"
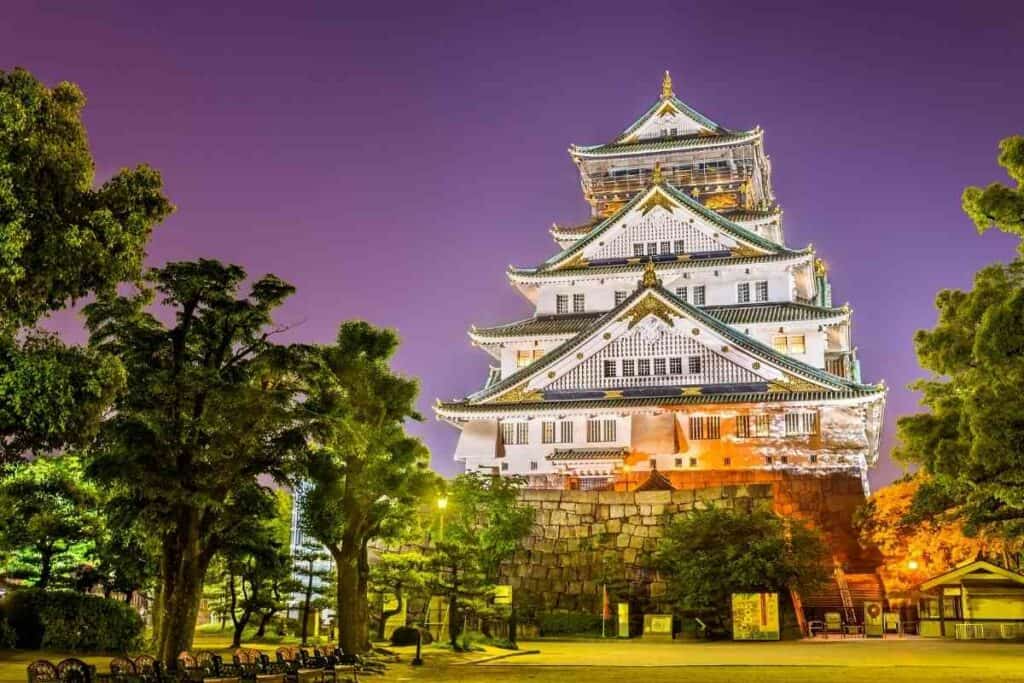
{"x": 675, "y": 335}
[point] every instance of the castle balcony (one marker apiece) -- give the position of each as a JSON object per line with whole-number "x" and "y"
{"x": 624, "y": 186}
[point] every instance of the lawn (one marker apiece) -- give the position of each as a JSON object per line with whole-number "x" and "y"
{"x": 594, "y": 661}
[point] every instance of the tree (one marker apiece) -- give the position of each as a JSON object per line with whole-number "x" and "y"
{"x": 399, "y": 576}
{"x": 915, "y": 548}
{"x": 365, "y": 474}
{"x": 47, "y": 509}
{"x": 313, "y": 573}
{"x": 60, "y": 240}
{"x": 708, "y": 555}
{"x": 486, "y": 524}
{"x": 210, "y": 407}
{"x": 971, "y": 439}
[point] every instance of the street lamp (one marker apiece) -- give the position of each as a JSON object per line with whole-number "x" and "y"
{"x": 626, "y": 469}
{"x": 912, "y": 565}
{"x": 442, "y": 505}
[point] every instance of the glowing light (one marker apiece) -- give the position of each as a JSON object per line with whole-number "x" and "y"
{"x": 442, "y": 503}
{"x": 912, "y": 565}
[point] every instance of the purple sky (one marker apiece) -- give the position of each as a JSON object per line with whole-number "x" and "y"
{"x": 391, "y": 159}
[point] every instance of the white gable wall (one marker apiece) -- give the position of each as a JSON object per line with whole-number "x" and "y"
{"x": 671, "y": 124}
{"x": 658, "y": 225}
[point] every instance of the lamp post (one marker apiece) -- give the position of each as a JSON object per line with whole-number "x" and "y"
{"x": 626, "y": 469}
{"x": 442, "y": 505}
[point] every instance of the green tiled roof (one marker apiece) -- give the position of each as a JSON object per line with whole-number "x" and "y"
{"x": 588, "y": 454}
{"x": 739, "y": 215}
{"x": 661, "y": 266}
{"x": 740, "y": 314}
{"x": 577, "y": 230}
{"x": 663, "y": 144}
{"x": 740, "y": 340}
{"x": 734, "y": 229}
{"x": 651, "y": 402}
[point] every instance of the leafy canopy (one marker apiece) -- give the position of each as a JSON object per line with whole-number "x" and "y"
{"x": 708, "y": 555}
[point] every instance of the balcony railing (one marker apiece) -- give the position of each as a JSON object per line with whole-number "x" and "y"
{"x": 625, "y": 185}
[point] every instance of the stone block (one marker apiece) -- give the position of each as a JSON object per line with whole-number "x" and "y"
{"x": 629, "y": 555}
{"x": 685, "y": 497}
{"x": 636, "y": 542}
{"x": 710, "y": 493}
{"x": 613, "y": 497}
{"x": 616, "y": 511}
{"x": 651, "y": 497}
{"x": 622, "y": 541}
{"x": 613, "y": 526}
{"x": 651, "y": 521}
{"x": 577, "y": 496}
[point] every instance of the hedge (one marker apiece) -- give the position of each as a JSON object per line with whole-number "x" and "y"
{"x": 66, "y": 620}
{"x": 569, "y": 624}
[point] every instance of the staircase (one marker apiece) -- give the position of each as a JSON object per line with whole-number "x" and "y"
{"x": 846, "y": 594}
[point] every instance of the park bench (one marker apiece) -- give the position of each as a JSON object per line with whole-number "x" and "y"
{"x": 71, "y": 670}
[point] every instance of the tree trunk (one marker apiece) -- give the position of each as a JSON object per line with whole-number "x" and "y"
{"x": 352, "y": 627}
{"x": 307, "y": 601}
{"x": 45, "y": 567}
{"x": 185, "y": 566}
{"x": 362, "y": 595}
{"x": 453, "y": 610}
{"x": 264, "y": 622}
{"x": 387, "y": 614}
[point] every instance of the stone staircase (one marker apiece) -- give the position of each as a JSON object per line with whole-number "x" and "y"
{"x": 846, "y": 594}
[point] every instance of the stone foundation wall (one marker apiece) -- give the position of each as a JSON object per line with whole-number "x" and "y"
{"x": 583, "y": 539}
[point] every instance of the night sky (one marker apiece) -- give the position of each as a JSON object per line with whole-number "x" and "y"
{"x": 391, "y": 159}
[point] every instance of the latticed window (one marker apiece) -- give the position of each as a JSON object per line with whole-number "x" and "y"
{"x": 750, "y": 426}
{"x": 566, "y": 428}
{"x": 547, "y": 432}
{"x": 514, "y": 433}
{"x": 761, "y": 290}
{"x": 675, "y": 366}
{"x": 577, "y": 303}
{"x": 525, "y": 357}
{"x": 561, "y": 303}
{"x": 666, "y": 248}
{"x": 679, "y": 247}
{"x": 652, "y": 248}
{"x": 522, "y": 433}
{"x": 681, "y": 293}
{"x": 643, "y": 367}
{"x": 620, "y": 297}
{"x": 798, "y": 424}
{"x": 790, "y": 343}
{"x": 659, "y": 366}
{"x": 698, "y": 295}
{"x": 694, "y": 365}
{"x": 628, "y": 367}
{"x": 743, "y": 293}
{"x": 704, "y": 428}
{"x": 600, "y": 431}
{"x": 609, "y": 368}
{"x": 638, "y": 249}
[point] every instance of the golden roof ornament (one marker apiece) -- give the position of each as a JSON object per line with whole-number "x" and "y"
{"x": 656, "y": 177}
{"x": 650, "y": 278}
{"x": 666, "y": 86}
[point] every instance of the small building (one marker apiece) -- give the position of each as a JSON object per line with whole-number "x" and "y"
{"x": 975, "y": 600}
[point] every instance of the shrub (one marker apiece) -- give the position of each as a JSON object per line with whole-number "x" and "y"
{"x": 8, "y": 638}
{"x": 405, "y": 635}
{"x": 569, "y": 624}
{"x": 66, "y": 620}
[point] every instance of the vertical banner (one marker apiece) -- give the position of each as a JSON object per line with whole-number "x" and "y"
{"x": 623, "y": 620}
{"x": 873, "y": 624}
{"x": 755, "y": 616}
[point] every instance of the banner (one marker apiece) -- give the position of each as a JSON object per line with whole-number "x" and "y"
{"x": 755, "y": 616}
{"x": 873, "y": 619}
{"x": 623, "y": 620}
{"x": 503, "y": 594}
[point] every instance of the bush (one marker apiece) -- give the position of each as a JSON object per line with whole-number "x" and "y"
{"x": 405, "y": 635}
{"x": 8, "y": 638}
{"x": 66, "y": 620}
{"x": 569, "y": 624}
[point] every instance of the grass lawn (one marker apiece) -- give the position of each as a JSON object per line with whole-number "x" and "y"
{"x": 594, "y": 661}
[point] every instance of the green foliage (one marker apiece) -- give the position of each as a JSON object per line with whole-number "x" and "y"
{"x": 61, "y": 239}
{"x": 569, "y": 624}
{"x": 47, "y": 509}
{"x": 998, "y": 206}
{"x": 708, "y": 555}
{"x": 210, "y": 406}
{"x": 365, "y": 473}
{"x": 66, "y": 620}
{"x": 484, "y": 524}
{"x": 971, "y": 439}
{"x": 8, "y": 636}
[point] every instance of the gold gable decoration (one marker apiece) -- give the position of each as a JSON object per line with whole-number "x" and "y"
{"x": 521, "y": 394}
{"x": 577, "y": 261}
{"x": 666, "y": 86}
{"x": 791, "y": 384}
{"x": 722, "y": 200}
{"x": 658, "y": 198}
{"x": 649, "y": 305}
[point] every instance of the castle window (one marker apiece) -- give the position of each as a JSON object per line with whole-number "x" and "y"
{"x": 547, "y": 432}
{"x": 727, "y": 461}
{"x": 522, "y": 433}
{"x": 524, "y": 358}
{"x": 761, "y": 290}
{"x": 666, "y": 248}
{"x": 566, "y": 429}
{"x": 599, "y": 431}
{"x": 675, "y": 366}
{"x": 679, "y": 247}
{"x": 561, "y": 303}
{"x": 577, "y": 303}
{"x": 681, "y": 293}
{"x": 693, "y": 462}
{"x": 784, "y": 459}
{"x": 694, "y": 365}
{"x": 638, "y": 248}
{"x": 628, "y": 367}
{"x": 750, "y": 426}
{"x": 768, "y": 460}
{"x": 504, "y": 467}
{"x": 609, "y": 368}
{"x": 620, "y": 297}
{"x": 679, "y": 462}
{"x": 514, "y": 433}
{"x": 813, "y": 458}
{"x": 652, "y": 248}
{"x": 790, "y": 343}
{"x": 801, "y": 424}
{"x": 743, "y": 293}
{"x": 659, "y": 366}
{"x": 533, "y": 465}
{"x": 643, "y": 367}
{"x": 705, "y": 428}
{"x": 698, "y": 295}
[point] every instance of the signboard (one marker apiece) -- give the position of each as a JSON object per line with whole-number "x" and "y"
{"x": 503, "y": 595}
{"x": 623, "y": 620}
{"x": 658, "y": 626}
{"x": 873, "y": 619}
{"x": 755, "y": 616}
